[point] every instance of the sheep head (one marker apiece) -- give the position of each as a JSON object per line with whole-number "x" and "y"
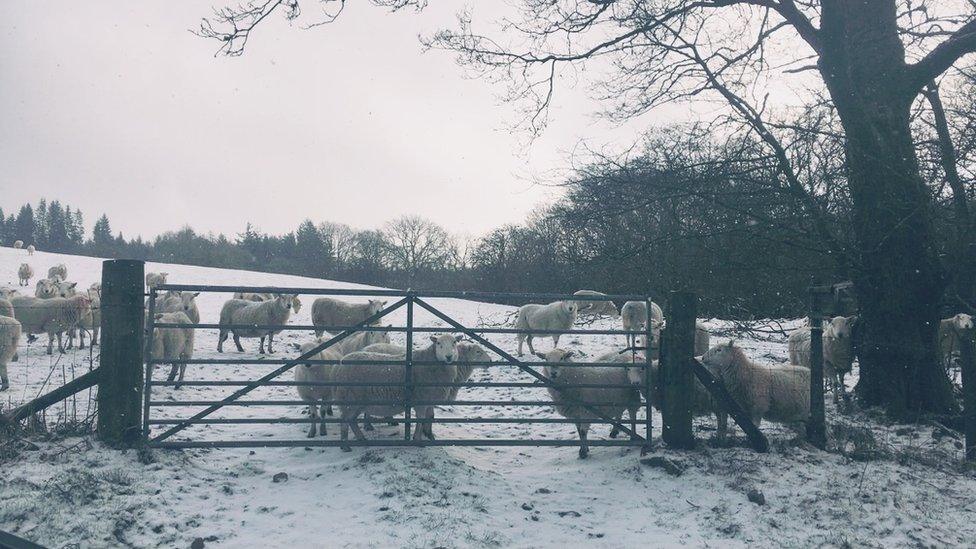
{"x": 445, "y": 347}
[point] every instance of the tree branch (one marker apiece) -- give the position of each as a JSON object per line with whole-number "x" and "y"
{"x": 962, "y": 42}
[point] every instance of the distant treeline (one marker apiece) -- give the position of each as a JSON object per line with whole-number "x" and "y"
{"x": 683, "y": 214}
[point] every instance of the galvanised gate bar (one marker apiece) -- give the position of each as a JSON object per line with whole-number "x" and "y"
{"x": 159, "y": 432}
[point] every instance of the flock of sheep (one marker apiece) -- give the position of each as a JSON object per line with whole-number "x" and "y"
{"x": 772, "y": 392}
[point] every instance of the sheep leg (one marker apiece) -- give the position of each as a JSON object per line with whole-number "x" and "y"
{"x": 328, "y": 409}
{"x": 323, "y": 430}
{"x": 94, "y": 337}
{"x": 423, "y": 412}
{"x": 723, "y": 424}
{"x": 368, "y": 423}
{"x": 521, "y": 340}
{"x": 81, "y": 338}
{"x": 237, "y": 341}
{"x": 313, "y": 414}
{"x": 261, "y": 345}
{"x": 355, "y": 426}
{"x": 555, "y": 341}
{"x": 50, "y": 343}
{"x": 61, "y": 342}
{"x": 220, "y": 341}
{"x": 528, "y": 339}
{"x": 172, "y": 372}
{"x": 633, "y": 423}
{"x": 182, "y": 373}
{"x": 270, "y": 341}
{"x": 615, "y": 429}
{"x": 4, "y": 380}
{"x": 71, "y": 339}
{"x": 582, "y": 428}
{"x": 344, "y": 432}
{"x": 429, "y": 426}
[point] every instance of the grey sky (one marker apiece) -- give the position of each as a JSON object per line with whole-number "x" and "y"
{"x": 114, "y": 107}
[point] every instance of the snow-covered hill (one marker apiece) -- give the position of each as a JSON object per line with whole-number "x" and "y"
{"x": 70, "y": 489}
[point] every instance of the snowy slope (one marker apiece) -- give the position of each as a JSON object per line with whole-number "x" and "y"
{"x": 73, "y": 490}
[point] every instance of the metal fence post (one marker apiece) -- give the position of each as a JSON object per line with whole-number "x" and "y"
{"x": 121, "y": 380}
{"x": 147, "y": 358}
{"x": 816, "y": 426}
{"x": 968, "y": 358}
{"x": 408, "y": 370}
{"x": 648, "y": 381}
{"x": 677, "y": 377}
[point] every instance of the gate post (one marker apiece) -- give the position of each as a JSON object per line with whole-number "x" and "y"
{"x": 121, "y": 378}
{"x": 677, "y": 377}
{"x": 816, "y": 425}
{"x": 408, "y": 371}
{"x": 968, "y": 358}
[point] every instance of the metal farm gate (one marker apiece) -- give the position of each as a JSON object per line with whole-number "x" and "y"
{"x": 162, "y": 417}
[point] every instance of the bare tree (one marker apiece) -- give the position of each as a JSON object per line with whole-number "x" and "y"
{"x": 872, "y": 57}
{"x": 417, "y": 245}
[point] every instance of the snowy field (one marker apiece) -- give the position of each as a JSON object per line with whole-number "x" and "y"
{"x": 883, "y": 485}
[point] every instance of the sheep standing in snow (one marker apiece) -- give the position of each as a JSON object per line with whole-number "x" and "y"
{"x": 296, "y": 304}
{"x": 59, "y": 272}
{"x": 599, "y": 308}
{"x": 383, "y": 400}
{"x": 31, "y": 249}
{"x": 10, "y": 331}
{"x": 265, "y": 313}
{"x": 173, "y": 344}
{"x": 778, "y": 393}
{"x": 154, "y": 280}
{"x": 700, "y": 400}
{"x": 18, "y": 244}
{"x": 317, "y": 396}
{"x": 185, "y": 302}
{"x": 92, "y": 322}
{"x": 24, "y": 274}
{"x": 46, "y": 288}
{"x": 52, "y": 316}
{"x": 360, "y": 340}
{"x": 330, "y": 312}
{"x": 558, "y": 315}
{"x": 633, "y": 316}
{"x": 952, "y": 332}
{"x": 838, "y": 352}
{"x": 576, "y": 402}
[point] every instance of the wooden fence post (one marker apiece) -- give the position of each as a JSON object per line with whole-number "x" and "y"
{"x": 816, "y": 425}
{"x": 677, "y": 376}
{"x": 969, "y": 392}
{"x": 121, "y": 380}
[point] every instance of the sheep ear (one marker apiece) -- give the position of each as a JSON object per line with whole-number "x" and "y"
{"x": 731, "y": 343}
{"x": 195, "y": 294}
{"x": 458, "y": 337}
{"x": 72, "y": 285}
{"x": 433, "y": 339}
{"x": 569, "y": 354}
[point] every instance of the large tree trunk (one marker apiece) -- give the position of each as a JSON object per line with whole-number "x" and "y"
{"x": 898, "y": 275}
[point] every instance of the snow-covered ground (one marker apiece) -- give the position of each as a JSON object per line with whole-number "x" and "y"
{"x": 891, "y": 484}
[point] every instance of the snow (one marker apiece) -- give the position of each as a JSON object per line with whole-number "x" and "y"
{"x": 893, "y": 485}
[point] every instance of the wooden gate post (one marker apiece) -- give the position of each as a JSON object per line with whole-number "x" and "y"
{"x": 677, "y": 376}
{"x": 121, "y": 380}
{"x": 969, "y": 392}
{"x": 816, "y": 424}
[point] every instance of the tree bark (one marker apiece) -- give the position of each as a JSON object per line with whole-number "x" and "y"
{"x": 898, "y": 274}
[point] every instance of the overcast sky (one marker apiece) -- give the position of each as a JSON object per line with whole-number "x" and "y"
{"x": 115, "y": 107}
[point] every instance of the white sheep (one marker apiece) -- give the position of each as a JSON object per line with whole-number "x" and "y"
{"x": 46, "y": 288}
{"x": 952, "y": 330}
{"x": 59, "y": 271}
{"x": 92, "y": 321}
{"x": 52, "y": 316}
{"x": 576, "y": 402}
{"x": 469, "y": 355}
{"x": 296, "y": 303}
{"x": 31, "y": 249}
{"x": 387, "y": 400}
{"x": 10, "y": 331}
{"x": 173, "y": 344}
{"x": 360, "y": 340}
{"x": 600, "y": 308}
{"x": 173, "y": 301}
{"x": 154, "y": 280}
{"x": 18, "y": 244}
{"x": 335, "y": 313}
{"x": 385, "y": 348}
{"x": 24, "y": 274}
{"x": 779, "y": 393}
{"x": 699, "y": 401}
{"x": 838, "y": 352}
{"x": 633, "y": 316}
{"x": 317, "y": 396}
{"x": 264, "y": 313}
{"x": 558, "y": 315}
